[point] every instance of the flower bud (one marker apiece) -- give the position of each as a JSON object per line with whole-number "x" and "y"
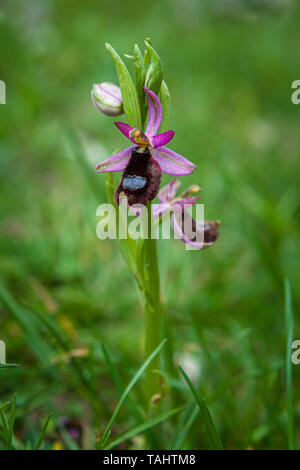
{"x": 107, "y": 98}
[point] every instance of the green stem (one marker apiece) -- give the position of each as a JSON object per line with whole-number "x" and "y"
{"x": 153, "y": 311}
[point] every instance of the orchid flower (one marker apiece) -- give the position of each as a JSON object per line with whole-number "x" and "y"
{"x": 143, "y": 162}
{"x": 185, "y": 227}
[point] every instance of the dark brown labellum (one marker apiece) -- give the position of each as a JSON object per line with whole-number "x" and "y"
{"x": 141, "y": 177}
{"x": 211, "y": 231}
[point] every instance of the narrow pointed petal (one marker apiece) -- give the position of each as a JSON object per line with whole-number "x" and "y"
{"x": 125, "y": 129}
{"x": 155, "y": 113}
{"x": 117, "y": 162}
{"x": 168, "y": 192}
{"x": 158, "y": 209}
{"x": 172, "y": 163}
{"x": 160, "y": 140}
{"x": 184, "y": 204}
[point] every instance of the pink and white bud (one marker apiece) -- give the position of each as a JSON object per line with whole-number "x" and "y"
{"x": 107, "y": 98}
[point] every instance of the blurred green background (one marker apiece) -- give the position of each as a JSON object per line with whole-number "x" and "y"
{"x": 229, "y": 66}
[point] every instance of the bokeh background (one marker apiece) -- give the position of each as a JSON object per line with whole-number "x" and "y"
{"x": 229, "y": 66}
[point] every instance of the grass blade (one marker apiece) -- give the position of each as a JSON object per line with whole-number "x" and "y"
{"x": 207, "y": 419}
{"x": 134, "y": 410}
{"x": 118, "y": 382}
{"x": 289, "y": 330}
{"x": 4, "y": 424}
{"x": 129, "y": 387}
{"x": 143, "y": 427}
{"x": 184, "y": 426}
{"x": 43, "y": 431}
{"x": 12, "y": 416}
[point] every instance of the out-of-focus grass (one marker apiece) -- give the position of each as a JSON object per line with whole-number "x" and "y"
{"x": 229, "y": 67}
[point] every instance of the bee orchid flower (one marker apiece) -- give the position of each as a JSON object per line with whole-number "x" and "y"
{"x": 143, "y": 162}
{"x": 185, "y": 227}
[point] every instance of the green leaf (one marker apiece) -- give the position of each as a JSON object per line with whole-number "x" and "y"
{"x": 140, "y": 80}
{"x": 128, "y": 90}
{"x": 130, "y": 57}
{"x": 129, "y": 387}
{"x": 146, "y": 53}
{"x": 154, "y": 74}
{"x": 43, "y": 431}
{"x": 8, "y": 426}
{"x": 143, "y": 427}
{"x": 165, "y": 99}
{"x": 206, "y": 416}
{"x": 289, "y": 331}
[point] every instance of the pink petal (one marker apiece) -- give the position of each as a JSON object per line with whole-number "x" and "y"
{"x": 172, "y": 163}
{"x": 183, "y": 204}
{"x": 168, "y": 192}
{"x": 158, "y": 209}
{"x": 160, "y": 140}
{"x": 155, "y": 113}
{"x": 125, "y": 129}
{"x": 190, "y": 237}
{"x": 116, "y": 162}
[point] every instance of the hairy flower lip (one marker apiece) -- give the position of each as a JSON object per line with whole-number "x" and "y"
{"x": 141, "y": 178}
